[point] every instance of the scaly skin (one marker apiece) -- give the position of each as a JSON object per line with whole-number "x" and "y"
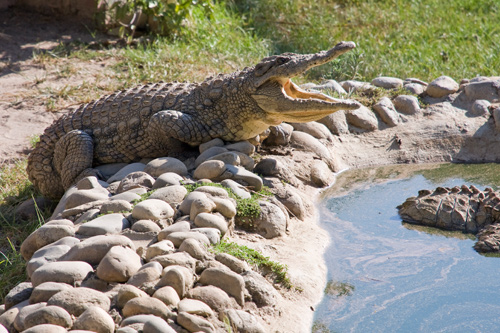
{"x": 463, "y": 208}
{"x": 157, "y": 119}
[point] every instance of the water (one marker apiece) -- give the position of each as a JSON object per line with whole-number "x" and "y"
{"x": 385, "y": 276}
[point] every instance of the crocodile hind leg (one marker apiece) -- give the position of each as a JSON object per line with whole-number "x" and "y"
{"x": 73, "y": 156}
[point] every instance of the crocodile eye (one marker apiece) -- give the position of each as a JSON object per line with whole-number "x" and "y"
{"x": 281, "y": 60}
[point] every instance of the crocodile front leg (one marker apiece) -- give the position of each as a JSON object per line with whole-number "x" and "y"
{"x": 73, "y": 156}
{"x": 165, "y": 125}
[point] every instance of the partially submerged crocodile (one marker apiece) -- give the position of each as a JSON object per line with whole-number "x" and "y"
{"x": 154, "y": 120}
{"x": 463, "y": 208}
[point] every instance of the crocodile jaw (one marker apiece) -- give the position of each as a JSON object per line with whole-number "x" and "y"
{"x": 293, "y": 104}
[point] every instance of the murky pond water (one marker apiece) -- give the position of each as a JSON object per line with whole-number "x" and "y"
{"x": 386, "y": 276}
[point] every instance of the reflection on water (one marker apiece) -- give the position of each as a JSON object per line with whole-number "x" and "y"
{"x": 401, "y": 279}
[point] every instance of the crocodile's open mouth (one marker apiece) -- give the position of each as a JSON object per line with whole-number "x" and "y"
{"x": 285, "y": 101}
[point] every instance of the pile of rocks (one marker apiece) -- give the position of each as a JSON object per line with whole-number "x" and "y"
{"x": 131, "y": 254}
{"x": 479, "y": 96}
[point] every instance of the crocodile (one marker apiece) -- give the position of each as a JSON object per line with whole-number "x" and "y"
{"x": 158, "y": 119}
{"x": 464, "y": 208}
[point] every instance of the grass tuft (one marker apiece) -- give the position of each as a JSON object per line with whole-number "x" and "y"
{"x": 278, "y": 271}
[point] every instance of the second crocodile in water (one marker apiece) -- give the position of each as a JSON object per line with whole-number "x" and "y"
{"x": 464, "y": 208}
{"x": 155, "y": 120}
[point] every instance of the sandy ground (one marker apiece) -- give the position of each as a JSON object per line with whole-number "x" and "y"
{"x": 26, "y": 81}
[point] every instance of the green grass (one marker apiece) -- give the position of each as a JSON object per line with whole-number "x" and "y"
{"x": 14, "y": 189}
{"x": 424, "y": 38}
{"x": 278, "y": 271}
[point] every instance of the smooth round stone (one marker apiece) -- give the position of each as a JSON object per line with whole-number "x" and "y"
{"x": 202, "y": 205}
{"x": 157, "y": 325}
{"x": 336, "y": 122}
{"x": 132, "y": 167}
{"x": 152, "y": 209}
{"x": 104, "y": 225}
{"x": 178, "y": 237}
{"x": 18, "y": 294}
{"x": 226, "y": 280}
{"x": 387, "y": 82}
{"x": 146, "y": 305}
{"x": 241, "y": 174}
{"x": 178, "y": 277}
{"x": 93, "y": 249}
{"x": 235, "y": 264}
{"x": 216, "y": 298}
{"x": 138, "y": 179}
{"x": 7, "y": 318}
{"x": 237, "y": 189}
{"x": 225, "y": 206}
{"x": 176, "y": 258}
{"x": 386, "y": 111}
{"x": 442, "y": 86}
{"x": 167, "y": 295}
{"x": 119, "y": 264}
{"x": 126, "y": 293}
{"x": 355, "y": 86}
{"x": 208, "y": 153}
{"x": 212, "y": 143}
{"x": 362, "y": 118}
{"x": 209, "y": 170}
{"x": 207, "y": 220}
{"x": 88, "y": 216}
{"x": 44, "y": 235}
{"x": 89, "y": 183}
{"x": 95, "y": 319}
{"x": 46, "y": 290}
{"x": 70, "y": 272}
{"x": 170, "y": 194}
{"x": 19, "y": 321}
{"x": 162, "y": 165}
{"x": 480, "y": 107}
{"x": 146, "y": 226}
{"x": 127, "y": 196}
{"x": 407, "y": 104}
{"x": 414, "y": 88}
{"x": 317, "y": 130}
{"x": 77, "y": 300}
{"x": 181, "y": 226}
{"x": 167, "y": 179}
{"x": 116, "y": 206}
{"x": 49, "y": 314}
{"x": 194, "y": 306}
{"x": 194, "y": 248}
{"x": 213, "y": 234}
{"x": 185, "y": 206}
{"x": 213, "y": 191}
{"x": 194, "y": 323}
{"x": 148, "y": 275}
{"x": 45, "y": 328}
{"x": 263, "y": 293}
{"x": 226, "y": 157}
{"x": 160, "y": 248}
{"x": 81, "y": 197}
{"x": 321, "y": 175}
{"x": 244, "y": 321}
{"x": 46, "y": 254}
{"x": 244, "y": 147}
